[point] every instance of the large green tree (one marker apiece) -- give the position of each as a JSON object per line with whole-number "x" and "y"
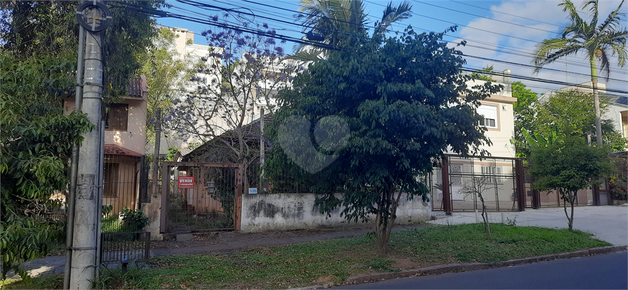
{"x": 384, "y": 110}
{"x": 597, "y": 40}
{"x": 166, "y": 73}
{"x": 524, "y": 115}
{"x": 567, "y": 165}
{"x": 35, "y": 143}
{"x": 38, "y": 45}
{"x": 562, "y": 114}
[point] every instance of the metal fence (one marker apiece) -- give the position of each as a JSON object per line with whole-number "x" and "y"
{"x": 121, "y": 188}
{"x": 124, "y": 247}
{"x": 467, "y": 179}
{"x": 204, "y": 204}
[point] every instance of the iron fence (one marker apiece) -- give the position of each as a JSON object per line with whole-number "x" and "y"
{"x": 124, "y": 247}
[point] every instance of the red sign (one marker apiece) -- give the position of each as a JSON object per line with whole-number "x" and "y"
{"x": 186, "y": 181}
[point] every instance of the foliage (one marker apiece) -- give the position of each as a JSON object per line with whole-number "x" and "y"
{"x": 567, "y": 165}
{"x": 166, "y": 73}
{"x": 132, "y": 220}
{"x": 399, "y": 98}
{"x": 339, "y": 20}
{"x": 563, "y": 114}
{"x": 618, "y": 189}
{"x": 36, "y": 141}
{"x": 241, "y": 74}
{"x": 333, "y": 261}
{"x": 484, "y": 75}
{"x": 524, "y": 116}
{"x": 106, "y": 210}
{"x": 597, "y": 40}
{"x": 38, "y": 43}
{"x": 32, "y": 29}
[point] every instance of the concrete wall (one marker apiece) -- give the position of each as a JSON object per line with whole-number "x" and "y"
{"x": 263, "y": 212}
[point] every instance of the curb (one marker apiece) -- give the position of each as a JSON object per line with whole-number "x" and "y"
{"x": 454, "y": 268}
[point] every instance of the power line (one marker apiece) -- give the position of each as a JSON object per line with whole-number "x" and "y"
{"x": 318, "y": 44}
{"x": 513, "y": 15}
{"x": 161, "y": 13}
{"x": 497, "y": 20}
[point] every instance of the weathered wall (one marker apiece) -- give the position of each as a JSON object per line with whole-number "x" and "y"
{"x": 262, "y": 212}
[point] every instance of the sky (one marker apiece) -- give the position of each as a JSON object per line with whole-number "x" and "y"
{"x": 498, "y": 33}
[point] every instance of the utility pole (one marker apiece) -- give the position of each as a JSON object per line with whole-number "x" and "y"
{"x": 93, "y": 17}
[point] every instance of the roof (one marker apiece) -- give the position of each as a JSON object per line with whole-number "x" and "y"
{"x": 112, "y": 149}
{"x": 251, "y": 133}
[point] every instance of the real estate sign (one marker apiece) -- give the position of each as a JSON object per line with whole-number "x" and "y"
{"x": 186, "y": 181}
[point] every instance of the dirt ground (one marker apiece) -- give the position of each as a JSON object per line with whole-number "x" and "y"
{"x": 228, "y": 241}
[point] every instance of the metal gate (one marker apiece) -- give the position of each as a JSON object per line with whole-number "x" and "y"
{"x": 200, "y": 196}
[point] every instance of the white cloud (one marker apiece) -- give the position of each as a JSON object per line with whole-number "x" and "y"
{"x": 510, "y": 45}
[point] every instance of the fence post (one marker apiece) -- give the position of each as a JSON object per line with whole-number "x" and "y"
{"x": 520, "y": 186}
{"x": 445, "y": 185}
{"x": 238, "y": 199}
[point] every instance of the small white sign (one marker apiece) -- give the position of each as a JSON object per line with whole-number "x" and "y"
{"x": 252, "y": 190}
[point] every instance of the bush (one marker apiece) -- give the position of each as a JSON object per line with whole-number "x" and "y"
{"x": 618, "y": 189}
{"x": 132, "y": 220}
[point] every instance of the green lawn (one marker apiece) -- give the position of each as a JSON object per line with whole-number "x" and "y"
{"x": 335, "y": 260}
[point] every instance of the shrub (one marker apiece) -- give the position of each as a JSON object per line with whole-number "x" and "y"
{"x": 618, "y": 189}
{"x": 132, "y": 220}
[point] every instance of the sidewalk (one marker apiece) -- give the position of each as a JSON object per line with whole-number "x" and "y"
{"x": 608, "y": 223}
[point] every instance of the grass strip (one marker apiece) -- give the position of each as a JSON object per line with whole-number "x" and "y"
{"x": 333, "y": 261}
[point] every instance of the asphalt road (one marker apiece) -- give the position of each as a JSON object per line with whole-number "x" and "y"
{"x": 608, "y": 271}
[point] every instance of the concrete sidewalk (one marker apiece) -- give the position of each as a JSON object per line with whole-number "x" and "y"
{"x": 608, "y": 223}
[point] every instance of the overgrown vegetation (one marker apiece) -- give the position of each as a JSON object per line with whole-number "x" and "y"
{"x": 333, "y": 261}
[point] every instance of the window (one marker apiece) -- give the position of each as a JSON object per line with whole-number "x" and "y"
{"x": 117, "y": 118}
{"x": 495, "y": 171}
{"x": 111, "y": 179}
{"x": 490, "y": 116}
{"x": 455, "y": 174}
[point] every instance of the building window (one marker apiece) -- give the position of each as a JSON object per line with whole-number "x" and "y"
{"x": 455, "y": 174}
{"x": 489, "y": 114}
{"x": 112, "y": 171}
{"x": 494, "y": 172}
{"x": 117, "y": 117}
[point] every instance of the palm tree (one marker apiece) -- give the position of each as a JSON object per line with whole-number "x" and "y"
{"x": 596, "y": 40}
{"x": 336, "y": 20}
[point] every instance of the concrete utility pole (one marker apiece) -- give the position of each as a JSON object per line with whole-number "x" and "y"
{"x": 94, "y": 17}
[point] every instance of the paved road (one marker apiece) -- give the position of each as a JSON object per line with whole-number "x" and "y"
{"x": 607, "y": 223}
{"x": 595, "y": 272}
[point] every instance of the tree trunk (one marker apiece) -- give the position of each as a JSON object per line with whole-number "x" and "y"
{"x": 596, "y": 101}
{"x": 384, "y": 221}
{"x": 487, "y": 228}
{"x": 569, "y": 197}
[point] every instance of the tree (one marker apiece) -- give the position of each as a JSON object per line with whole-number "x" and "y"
{"x": 398, "y": 99}
{"x": 38, "y": 43}
{"x": 567, "y": 166}
{"x": 597, "y": 41}
{"x": 166, "y": 73}
{"x": 524, "y": 116}
{"x": 35, "y": 143}
{"x": 337, "y": 20}
{"x": 477, "y": 187}
{"x": 240, "y": 75}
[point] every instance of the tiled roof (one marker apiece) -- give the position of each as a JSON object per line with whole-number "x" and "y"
{"x": 112, "y": 149}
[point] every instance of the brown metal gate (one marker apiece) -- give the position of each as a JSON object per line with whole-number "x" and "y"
{"x": 211, "y": 202}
